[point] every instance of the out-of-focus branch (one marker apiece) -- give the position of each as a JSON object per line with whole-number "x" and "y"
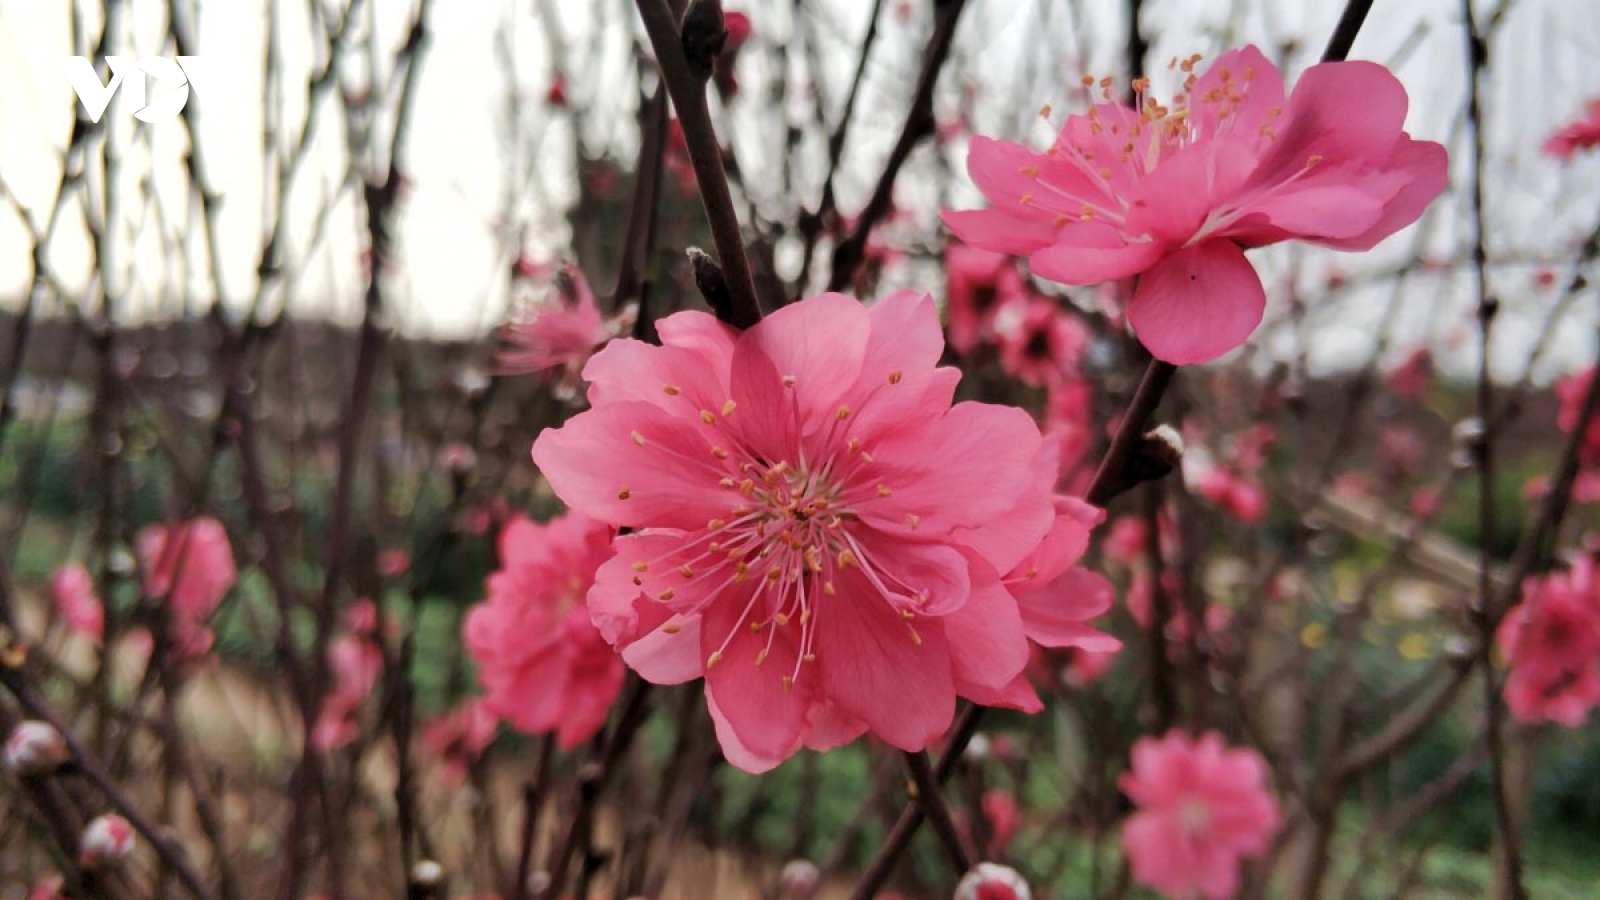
{"x": 919, "y": 125}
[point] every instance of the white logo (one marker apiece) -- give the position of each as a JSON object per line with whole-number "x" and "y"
{"x": 95, "y": 96}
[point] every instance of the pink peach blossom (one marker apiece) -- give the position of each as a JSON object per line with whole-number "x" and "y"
{"x": 1551, "y": 643}
{"x": 1201, "y": 808}
{"x": 1176, "y": 195}
{"x": 1413, "y": 375}
{"x": 191, "y": 566}
{"x": 1042, "y": 345}
{"x": 978, "y": 284}
{"x": 458, "y": 738}
{"x": 816, "y": 529}
{"x": 72, "y": 591}
{"x": 1240, "y": 496}
{"x": 1580, "y": 134}
{"x": 355, "y": 659}
{"x": 557, "y": 336}
{"x": 541, "y": 660}
{"x": 1004, "y": 817}
{"x": 1057, "y": 597}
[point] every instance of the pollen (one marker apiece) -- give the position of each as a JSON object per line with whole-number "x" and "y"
{"x": 714, "y": 658}
{"x": 912, "y": 519}
{"x": 719, "y": 453}
{"x": 1025, "y": 199}
{"x": 809, "y": 657}
{"x": 668, "y": 594}
{"x": 788, "y": 683}
{"x": 788, "y": 381}
{"x": 624, "y": 494}
{"x": 671, "y": 628}
{"x": 686, "y": 570}
{"x": 847, "y": 559}
{"x": 915, "y": 637}
{"x": 1313, "y": 160}
{"x": 843, "y": 413}
{"x": 781, "y": 618}
{"x": 827, "y": 588}
{"x": 671, "y": 390}
{"x": 854, "y": 445}
{"x": 883, "y": 490}
{"x": 1086, "y": 214}
{"x": 895, "y": 376}
{"x": 714, "y": 524}
{"x": 637, "y": 581}
{"x": 640, "y": 565}
{"x": 727, "y": 408}
{"x": 755, "y": 628}
{"x": 637, "y": 437}
{"x": 1030, "y": 171}
{"x": 762, "y": 656}
{"x": 707, "y": 417}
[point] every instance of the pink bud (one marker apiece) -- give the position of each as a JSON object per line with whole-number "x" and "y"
{"x": 105, "y": 841}
{"x": 991, "y": 881}
{"x": 36, "y": 748}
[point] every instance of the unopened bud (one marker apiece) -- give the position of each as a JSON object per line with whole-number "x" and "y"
{"x": 992, "y": 881}
{"x": 977, "y": 749}
{"x": 798, "y": 879}
{"x": 36, "y": 748}
{"x": 105, "y": 841}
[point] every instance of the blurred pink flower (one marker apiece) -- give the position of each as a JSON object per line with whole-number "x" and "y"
{"x": 1414, "y": 374}
{"x": 48, "y": 887}
{"x": 1551, "y": 643}
{"x": 559, "y": 336}
{"x": 1580, "y": 134}
{"x": 392, "y": 562}
{"x": 355, "y": 659}
{"x": 978, "y": 284}
{"x": 1176, "y": 195}
{"x": 1240, "y": 496}
{"x": 1042, "y": 345}
{"x": 72, "y": 591}
{"x": 191, "y": 566}
{"x": 819, "y": 531}
{"x": 105, "y": 841}
{"x": 35, "y": 748}
{"x": 992, "y": 881}
{"x": 458, "y": 737}
{"x": 1571, "y": 391}
{"x": 1004, "y": 817}
{"x": 542, "y": 662}
{"x": 1201, "y": 808}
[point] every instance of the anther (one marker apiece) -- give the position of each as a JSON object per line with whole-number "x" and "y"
{"x": 788, "y": 381}
{"x": 727, "y": 408}
{"x": 668, "y": 594}
{"x": 843, "y": 413}
{"x": 883, "y": 490}
{"x": 671, "y": 390}
{"x": 719, "y": 453}
{"x": 637, "y": 437}
{"x": 762, "y": 656}
{"x": 671, "y": 628}
{"x": 707, "y": 417}
{"x": 714, "y": 658}
{"x": 895, "y": 376}
{"x": 847, "y": 559}
{"x": 624, "y": 494}
{"x": 686, "y": 570}
{"x": 640, "y": 565}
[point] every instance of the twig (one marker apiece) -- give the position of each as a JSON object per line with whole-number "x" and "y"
{"x": 686, "y": 78}
{"x": 931, "y": 799}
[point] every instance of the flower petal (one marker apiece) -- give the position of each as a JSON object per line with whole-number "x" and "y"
{"x": 1197, "y": 303}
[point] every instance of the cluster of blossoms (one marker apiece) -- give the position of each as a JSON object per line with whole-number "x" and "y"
{"x": 543, "y": 664}
{"x": 72, "y": 592}
{"x": 1551, "y": 644}
{"x": 1176, "y": 194}
{"x": 191, "y": 566}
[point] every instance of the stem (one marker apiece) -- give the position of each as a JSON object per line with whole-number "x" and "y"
{"x": 688, "y": 91}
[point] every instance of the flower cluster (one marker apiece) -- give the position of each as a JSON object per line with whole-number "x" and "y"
{"x": 191, "y": 566}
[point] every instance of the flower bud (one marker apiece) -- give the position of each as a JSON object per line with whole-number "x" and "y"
{"x": 105, "y": 841}
{"x": 798, "y": 879}
{"x": 35, "y": 748}
{"x": 992, "y": 881}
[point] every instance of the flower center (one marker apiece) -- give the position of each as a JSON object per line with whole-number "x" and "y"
{"x": 1193, "y": 817}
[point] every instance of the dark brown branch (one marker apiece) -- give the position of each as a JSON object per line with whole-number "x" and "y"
{"x": 687, "y": 87}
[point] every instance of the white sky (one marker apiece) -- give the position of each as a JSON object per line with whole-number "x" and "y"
{"x": 449, "y": 274}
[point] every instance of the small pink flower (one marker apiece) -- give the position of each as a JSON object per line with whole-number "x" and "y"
{"x": 191, "y": 566}
{"x": 541, "y": 660}
{"x": 1413, "y": 375}
{"x": 1043, "y": 345}
{"x": 1237, "y": 495}
{"x": 1004, "y": 817}
{"x": 106, "y": 841}
{"x": 1571, "y": 391}
{"x": 72, "y": 591}
{"x": 1201, "y": 808}
{"x": 1582, "y": 133}
{"x": 393, "y": 562}
{"x": 816, "y": 529}
{"x": 35, "y": 748}
{"x": 48, "y": 887}
{"x": 1551, "y": 642}
{"x": 459, "y": 737}
{"x": 978, "y": 284}
{"x": 1176, "y": 195}
{"x": 559, "y": 336}
{"x": 737, "y": 24}
{"x": 356, "y": 662}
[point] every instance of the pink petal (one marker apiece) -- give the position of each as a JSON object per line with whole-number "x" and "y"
{"x": 991, "y": 229}
{"x": 1197, "y": 303}
{"x": 767, "y": 714}
{"x": 735, "y": 751}
{"x": 1262, "y": 89}
{"x": 663, "y": 656}
{"x": 874, "y": 669}
{"x": 1426, "y": 168}
{"x": 1057, "y": 614}
{"x": 993, "y": 650}
{"x": 595, "y": 465}
{"x": 1092, "y": 253}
